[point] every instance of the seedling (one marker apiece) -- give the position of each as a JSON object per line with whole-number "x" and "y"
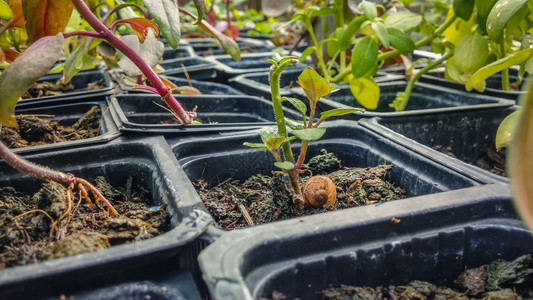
{"x": 277, "y": 140}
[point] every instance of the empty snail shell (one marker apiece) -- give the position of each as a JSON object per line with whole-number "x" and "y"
{"x": 320, "y": 191}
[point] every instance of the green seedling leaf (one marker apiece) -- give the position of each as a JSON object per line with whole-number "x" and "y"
{"x": 314, "y": 85}
{"x": 151, "y": 51}
{"x": 500, "y": 14}
{"x": 5, "y": 11}
{"x": 400, "y": 40}
{"x": 403, "y": 21}
{"x": 346, "y": 38}
{"x": 31, "y": 65}
{"x": 382, "y": 33}
{"x": 228, "y": 44}
{"x": 483, "y": 9}
{"x": 166, "y": 16}
{"x": 364, "y": 57}
{"x": 275, "y": 143}
{"x": 497, "y": 66}
{"x": 286, "y": 165}
{"x": 200, "y": 7}
{"x": 463, "y": 8}
{"x": 76, "y": 60}
{"x": 368, "y": 9}
{"x": 506, "y": 130}
{"x": 297, "y": 103}
{"x": 529, "y": 65}
{"x": 255, "y": 145}
{"x": 294, "y": 125}
{"x": 366, "y": 91}
{"x": 324, "y": 11}
{"x": 46, "y": 18}
{"x": 308, "y": 51}
{"x": 472, "y": 52}
{"x": 339, "y": 112}
{"x": 309, "y": 134}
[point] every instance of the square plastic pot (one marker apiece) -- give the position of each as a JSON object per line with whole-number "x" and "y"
{"x": 67, "y": 111}
{"x": 205, "y": 87}
{"x": 182, "y": 52}
{"x": 138, "y": 113}
{"x": 435, "y": 240}
{"x": 150, "y": 164}
{"x": 209, "y": 47}
{"x": 425, "y": 99}
{"x": 493, "y": 83}
{"x": 80, "y": 82}
{"x": 196, "y": 67}
{"x": 467, "y": 134}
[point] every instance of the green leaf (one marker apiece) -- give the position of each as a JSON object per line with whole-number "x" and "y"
{"x": 403, "y": 21}
{"x": 332, "y": 47}
{"x": 22, "y": 73}
{"x": 366, "y": 91}
{"x": 151, "y": 51}
{"x": 400, "y": 40}
{"x": 500, "y": 15}
{"x": 297, "y": 103}
{"x": 471, "y": 52}
{"x": 324, "y": 11}
{"x": 368, "y": 9}
{"x": 497, "y": 66}
{"x": 354, "y": 26}
{"x": 314, "y": 85}
{"x": 308, "y": 51}
{"x": 309, "y": 134}
{"x": 255, "y": 145}
{"x": 275, "y": 143}
{"x": 268, "y": 133}
{"x": 200, "y": 7}
{"x": 506, "y": 130}
{"x": 293, "y": 124}
{"x": 483, "y": 9}
{"x": 381, "y": 32}
{"x": 529, "y": 65}
{"x": 76, "y": 60}
{"x": 228, "y": 44}
{"x": 286, "y": 165}
{"x": 339, "y": 112}
{"x": 5, "y": 11}
{"x": 166, "y": 16}
{"x": 364, "y": 56}
{"x": 463, "y": 8}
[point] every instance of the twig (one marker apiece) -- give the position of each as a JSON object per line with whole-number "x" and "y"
{"x": 246, "y": 215}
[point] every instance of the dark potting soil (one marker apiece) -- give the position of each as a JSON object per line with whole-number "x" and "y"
{"x": 499, "y": 280}
{"x": 34, "y": 130}
{"x": 45, "y": 88}
{"x": 267, "y": 198}
{"x": 55, "y": 222}
{"x": 490, "y": 160}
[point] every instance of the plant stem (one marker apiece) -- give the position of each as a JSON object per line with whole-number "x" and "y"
{"x": 505, "y": 72}
{"x": 9, "y": 24}
{"x": 393, "y": 53}
{"x": 108, "y": 35}
{"x": 84, "y": 33}
{"x": 321, "y": 63}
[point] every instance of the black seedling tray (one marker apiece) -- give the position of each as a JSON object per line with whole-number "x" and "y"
{"x": 80, "y": 82}
{"x": 206, "y": 87}
{"x": 139, "y": 113}
{"x": 182, "y": 52}
{"x": 196, "y": 67}
{"x": 150, "y": 164}
{"x": 209, "y": 47}
{"x": 468, "y": 134}
{"x": 67, "y": 111}
{"x": 431, "y": 239}
{"x": 425, "y": 99}
{"x": 493, "y": 83}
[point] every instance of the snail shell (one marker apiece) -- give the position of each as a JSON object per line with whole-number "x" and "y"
{"x": 320, "y": 191}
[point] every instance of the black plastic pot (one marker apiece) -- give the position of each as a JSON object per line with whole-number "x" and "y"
{"x": 206, "y": 87}
{"x": 80, "y": 82}
{"x": 138, "y": 113}
{"x": 150, "y": 164}
{"x": 227, "y": 67}
{"x": 67, "y": 111}
{"x": 209, "y": 47}
{"x": 196, "y": 67}
{"x": 493, "y": 83}
{"x": 182, "y": 52}
{"x": 425, "y": 99}
{"x": 434, "y": 240}
{"x": 467, "y": 135}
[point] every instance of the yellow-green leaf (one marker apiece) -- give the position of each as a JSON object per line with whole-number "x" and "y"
{"x": 286, "y": 165}
{"x": 366, "y": 91}
{"x": 506, "y": 130}
{"x": 314, "y": 85}
{"x": 309, "y": 134}
{"x": 44, "y": 18}
{"x": 339, "y": 112}
{"x": 500, "y": 14}
{"x": 364, "y": 57}
{"x": 31, "y": 65}
{"x": 472, "y": 52}
{"x": 5, "y": 11}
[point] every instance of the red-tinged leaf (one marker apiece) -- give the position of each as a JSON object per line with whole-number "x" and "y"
{"x": 211, "y": 16}
{"x": 16, "y": 7}
{"x": 232, "y": 31}
{"x": 9, "y": 54}
{"x": 169, "y": 84}
{"x": 187, "y": 90}
{"x": 31, "y": 65}
{"x": 140, "y": 27}
{"x": 145, "y": 88}
{"x": 46, "y": 17}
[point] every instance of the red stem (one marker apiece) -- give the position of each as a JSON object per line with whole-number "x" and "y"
{"x": 108, "y": 35}
{"x": 84, "y": 33}
{"x": 9, "y": 24}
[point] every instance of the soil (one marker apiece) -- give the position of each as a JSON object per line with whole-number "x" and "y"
{"x": 55, "y": 223}
{"x": 45, "y": 88}
{"x": 490, "y": 160}
{"x": 497, "y": 280}
{"x": 267, "y": 198}
{"x": 33, "y": 130}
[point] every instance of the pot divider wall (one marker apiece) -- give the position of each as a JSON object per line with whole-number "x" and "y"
{"x": 196, "y": 67}
{"x": 206, "y": 87}
{"x": 147, "y": 163}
